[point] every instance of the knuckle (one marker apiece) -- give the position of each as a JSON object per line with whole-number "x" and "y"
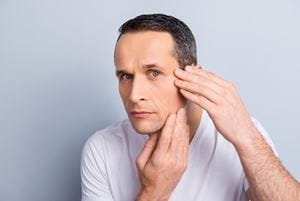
{"x": 227, "y": 93}
{"x": 198, "y": 70}
{"x": 184, "y": 166}
{"x": 147, "y": 145}
{"x": 138, "y": 161}
{"x": 231, "y": 86}
{"x": 211, "y": 74}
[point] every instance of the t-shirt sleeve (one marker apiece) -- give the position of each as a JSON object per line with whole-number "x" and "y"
{"x": 94, "y": 183}
{"x": 267, "y": 138}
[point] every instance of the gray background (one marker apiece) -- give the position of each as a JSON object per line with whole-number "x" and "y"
{"x": 57, "y": 84}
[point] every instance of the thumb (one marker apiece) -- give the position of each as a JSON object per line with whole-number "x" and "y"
{"x": 147, "y": 150}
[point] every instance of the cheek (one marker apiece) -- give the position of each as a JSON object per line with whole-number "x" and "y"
{"x": 124, "y": 92}
{"x": 121, "y": 92}
{"x": 168, "y": 98}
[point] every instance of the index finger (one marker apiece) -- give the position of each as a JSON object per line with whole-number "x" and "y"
{"x": 181, "y": 135}
{"x": 199, "y": 69}
{"x": 166, "y": 134}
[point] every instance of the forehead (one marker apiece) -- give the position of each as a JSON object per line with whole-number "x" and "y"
{"x": 144, "y": 47}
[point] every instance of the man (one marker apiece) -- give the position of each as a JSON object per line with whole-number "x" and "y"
{"x": 188, "y": 135}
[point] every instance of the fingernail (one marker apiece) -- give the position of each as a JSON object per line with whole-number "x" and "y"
{"x": 183, "y": 111}
{"x": 172, "y": 115}
{"x": 188, "y": 68}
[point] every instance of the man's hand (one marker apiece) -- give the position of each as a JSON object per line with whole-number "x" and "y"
{"x": 164, "y": 158}
{"x": 219, "y": 98}
{"x": 267, "y": 177}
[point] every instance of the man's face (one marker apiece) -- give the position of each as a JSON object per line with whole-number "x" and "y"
{"x": 145, "y": 64}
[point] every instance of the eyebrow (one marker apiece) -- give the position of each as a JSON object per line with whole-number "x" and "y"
{"x": 147, "y": 66}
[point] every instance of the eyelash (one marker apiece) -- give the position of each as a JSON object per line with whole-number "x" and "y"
{"x": 156, "y": 71}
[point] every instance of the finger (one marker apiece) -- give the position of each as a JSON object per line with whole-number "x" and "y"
{"x": 181, "y": 135}
{"x": 179, "y": 147}
{"x": 199, "y": 100}
{"x": 227, "y": 86}
{"x": 216, "y": 78}
{"x": 199, "y": 89}
{"x": 147, "y": 151}
{"x": 181, "y": 153}
{"x": 187, "y": 75}
{"x": 193, "y": 75}
{"x": 226, "y": 90}
{"x": 166, "y": 135}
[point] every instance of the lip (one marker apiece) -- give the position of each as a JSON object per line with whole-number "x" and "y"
{"x": 141, "y": 114}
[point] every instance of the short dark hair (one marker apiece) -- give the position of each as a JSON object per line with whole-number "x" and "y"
{"x": 185, "y": 44}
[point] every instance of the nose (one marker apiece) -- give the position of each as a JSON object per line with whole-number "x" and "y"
{"x": 138, "y": 91}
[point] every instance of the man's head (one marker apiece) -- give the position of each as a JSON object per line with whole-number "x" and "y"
{"x": 148, "y": 50}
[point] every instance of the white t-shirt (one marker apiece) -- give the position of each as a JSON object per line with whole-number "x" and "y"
{"x": 214, "y": 172}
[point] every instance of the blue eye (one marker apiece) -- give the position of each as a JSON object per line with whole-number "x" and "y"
{"x": 155, "y": 73}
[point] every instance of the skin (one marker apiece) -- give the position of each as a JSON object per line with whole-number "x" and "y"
{"x": 145, "y": 64}
{"x": 267, "y": 177}
{"x": 163, "y": 159}
{"x": 142, "y": 88}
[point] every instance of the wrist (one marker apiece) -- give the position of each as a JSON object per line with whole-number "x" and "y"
{"x": 150, "y": 195}
{"x": 247, "y": 138}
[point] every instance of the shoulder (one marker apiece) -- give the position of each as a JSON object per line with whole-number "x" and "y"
{"x": 109, "y": 137}
{"x": 114, "y": 130}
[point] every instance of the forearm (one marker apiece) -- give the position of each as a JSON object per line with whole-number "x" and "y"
{"x": 267, "y": 177}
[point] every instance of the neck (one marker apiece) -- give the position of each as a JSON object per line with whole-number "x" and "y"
{"x": 194, "y": 113}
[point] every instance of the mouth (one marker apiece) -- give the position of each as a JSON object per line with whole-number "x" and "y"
{"x": 141, "y": 114}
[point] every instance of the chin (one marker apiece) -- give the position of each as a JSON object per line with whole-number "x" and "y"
{"x": 145, "y": 127}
